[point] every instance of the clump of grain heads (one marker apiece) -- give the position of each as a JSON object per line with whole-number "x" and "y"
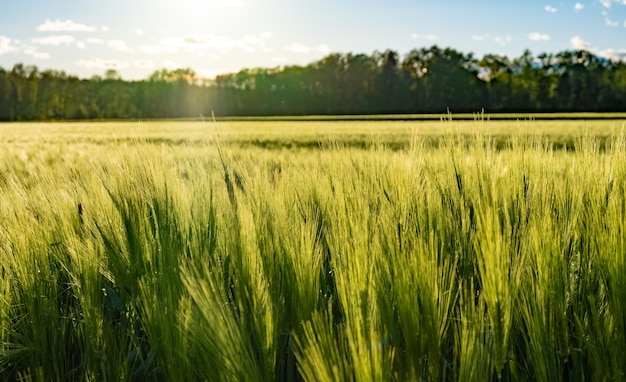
{"x": 460, "y": 257}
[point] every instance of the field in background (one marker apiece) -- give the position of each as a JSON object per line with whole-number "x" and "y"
{"x": 306, "y": 133}
{"x": 317, "y": 250}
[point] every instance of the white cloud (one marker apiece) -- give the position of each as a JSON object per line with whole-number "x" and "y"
{"x": 550, "y": 9}
{"x": 578, "y": 43}
{"x": 105, "y": 29}
{"x": 64, "y": 26}
{"x": 607, "y": 3}
{"x": 139, "y": 31}
{"x": 265, "y": 35}
{"x": 501, "y": 40}
{"x": 119, "y": 45}
{"x": 610, "y": 23}
{"x": 6, "y": 45}
{"x": 54, "y": 40}
{"x": 614, "y": 54}
{"x": 80, "y": 45}
{"x": 35, "y": 53}
{"x": 538, "y": 36}
{"x": 99, "y": 63}
{"x": 280, "y": 60}
{"x": 428, "y": 37}
{"x": 297, "y": 47}
{"x": 579, "y": 6}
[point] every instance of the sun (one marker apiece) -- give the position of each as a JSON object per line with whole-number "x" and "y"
{"x": 195, "y": 13}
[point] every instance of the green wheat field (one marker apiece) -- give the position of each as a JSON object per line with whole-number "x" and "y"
{"x": 312, "y": 250}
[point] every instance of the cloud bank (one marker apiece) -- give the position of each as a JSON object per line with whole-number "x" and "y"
{"x": 64, "y": 26}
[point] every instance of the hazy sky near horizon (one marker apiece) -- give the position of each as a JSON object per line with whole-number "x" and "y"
{"x": 137, "y": 37}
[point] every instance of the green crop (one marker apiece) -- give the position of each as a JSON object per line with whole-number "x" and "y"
{"x": 392, "y": 251}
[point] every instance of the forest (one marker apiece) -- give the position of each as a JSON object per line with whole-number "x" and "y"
{"x": 425, "y": 80}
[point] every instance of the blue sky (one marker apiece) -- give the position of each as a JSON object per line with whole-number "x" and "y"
{"x": 137, "y": 37}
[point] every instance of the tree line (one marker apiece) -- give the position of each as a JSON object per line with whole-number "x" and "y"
{"x": 426, "y": 80}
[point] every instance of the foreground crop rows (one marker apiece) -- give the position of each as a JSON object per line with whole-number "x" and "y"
{"x": 136, "y": 260}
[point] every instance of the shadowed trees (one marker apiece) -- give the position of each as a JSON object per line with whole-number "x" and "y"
{"x": 496, "y": 71}
{"x": 360, "y": 82}
{"x": 580, "y": 84}
{"x": 6, "y": 102}
{"x": 391, "y": 89}
{"x": 425, "y": 80}
{"x": 444, "y": 79}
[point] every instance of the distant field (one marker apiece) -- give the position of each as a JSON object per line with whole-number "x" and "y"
{"x": 313, "y": 250}
{"x": 395, "y": 134}
{"x": 436, "y": 117}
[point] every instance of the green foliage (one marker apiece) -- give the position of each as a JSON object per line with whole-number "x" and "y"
{"x": 425, "y": 80}
{"x": 182, "y": 252}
